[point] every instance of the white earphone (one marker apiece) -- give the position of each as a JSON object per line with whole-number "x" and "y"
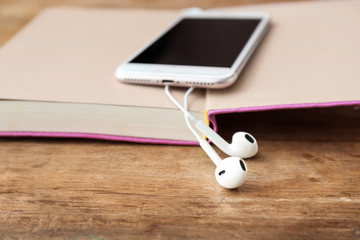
{"x": 230, "y": 172}
{"x": 243, "y": 145}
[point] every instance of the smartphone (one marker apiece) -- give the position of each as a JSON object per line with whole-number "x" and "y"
{"x": 201, "y": 48}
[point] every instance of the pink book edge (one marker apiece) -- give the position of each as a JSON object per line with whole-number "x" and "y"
{"x": 212, "y": 113}
{"x": 211, "y": 116}
{"x": 95, "y": 136}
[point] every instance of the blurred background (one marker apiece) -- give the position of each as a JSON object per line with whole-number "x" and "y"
{"x": 14, "y": 14}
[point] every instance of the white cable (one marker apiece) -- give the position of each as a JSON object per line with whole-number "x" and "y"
{"x": 186, "y": 117}
{"x": 184, "y": 110}
{"x": 167, "y": 91}
{"x": 203, "y": 143}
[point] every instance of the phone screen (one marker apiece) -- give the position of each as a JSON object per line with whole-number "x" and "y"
{"x": 200, "y": 42}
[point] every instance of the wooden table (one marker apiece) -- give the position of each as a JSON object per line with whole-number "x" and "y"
{"x": 303, "y": 184}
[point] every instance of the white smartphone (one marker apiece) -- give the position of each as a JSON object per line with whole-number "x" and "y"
{"x": 202, "y": 49}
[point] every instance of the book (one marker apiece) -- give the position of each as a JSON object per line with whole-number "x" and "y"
{"x": 57, "y": 73}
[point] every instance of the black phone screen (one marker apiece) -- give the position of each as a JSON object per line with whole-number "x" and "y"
{"x": 200, "y": 42}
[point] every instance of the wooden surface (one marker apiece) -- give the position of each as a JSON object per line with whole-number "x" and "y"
{"x": 304, "y": 183}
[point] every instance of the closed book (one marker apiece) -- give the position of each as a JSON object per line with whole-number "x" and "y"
{"x": 57, "y": 73}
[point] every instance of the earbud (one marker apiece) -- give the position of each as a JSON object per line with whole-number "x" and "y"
{"x": 243, "y": 144}
{"x": 230, "y": 172}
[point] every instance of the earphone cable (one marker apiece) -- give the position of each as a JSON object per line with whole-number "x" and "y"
{"x": 198, "y": 137}
{"x": 187, "y": 115}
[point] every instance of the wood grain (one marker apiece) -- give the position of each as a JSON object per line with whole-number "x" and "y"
{"x": 78, "y": 189}
{"x": 304, "y": 183}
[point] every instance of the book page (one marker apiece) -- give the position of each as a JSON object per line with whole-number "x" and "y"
{"x": 70, "y": 55}
{"x": 311, "y": 54}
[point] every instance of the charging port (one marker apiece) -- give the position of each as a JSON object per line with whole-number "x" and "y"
{"x": 167, "y": 81}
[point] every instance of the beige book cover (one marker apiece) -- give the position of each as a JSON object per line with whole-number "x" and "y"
{"x": 309, "y": 58}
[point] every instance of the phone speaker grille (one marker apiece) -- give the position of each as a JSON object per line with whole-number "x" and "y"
{"x": 138, "y": 80}
{"x": 199, "y": 84}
